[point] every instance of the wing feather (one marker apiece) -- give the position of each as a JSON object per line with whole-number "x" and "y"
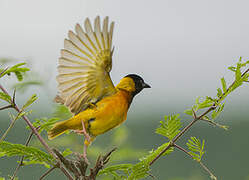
{"x": 84, "y": 65}
{"x": 105, "y": 32}
{"x": 110, "y": 34}
{"x": 97, "y": 32}
{"x": 84, "y": 38}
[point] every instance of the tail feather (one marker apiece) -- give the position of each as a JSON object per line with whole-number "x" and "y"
{"x": 58, "y": 129}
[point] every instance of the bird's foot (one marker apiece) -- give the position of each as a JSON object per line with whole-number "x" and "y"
{"x": 83, "y": 131}
{"x": 87, "y": 136}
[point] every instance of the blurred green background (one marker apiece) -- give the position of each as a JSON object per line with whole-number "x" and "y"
{"x": 181, "y": 48}
{"x": 226, "y": 151}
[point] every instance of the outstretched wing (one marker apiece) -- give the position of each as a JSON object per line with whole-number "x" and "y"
{"x": 84, "y": 66}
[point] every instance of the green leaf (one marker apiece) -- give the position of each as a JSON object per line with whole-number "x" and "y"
{"x": 31, "y": 155}
{"x": 245, "y": 77}
{"x": 170, "y": 127}
{"x": 189, "y": 112}
{"x": 17, "y": 70}
{"x": 44, "y": 123}
{"x": 19, "y": 75}
{"x": 206, "y": 118}
{"x": 205, "y": 104}
{"x": 5, "y": 97}
{"x": 201, "y": 104}
{"x": 141, "y": 169}
{"x": 19, "y": 115}
{"x": 114, "y": 169}
{"x": 14, "y": 119}
{"x": 218, "y": 110}
{"x": 219, "y": 92}
{"x": 244, "y": 64}
{"x": 232, "y": 68}
{"x": 67, "y": 152}
{"x": 196, "y": 148}
{"x": 238, "y": 72}
{"x": 32, "y": 99}
{"x": 224, "y": 85}
{"x": 31, "y": 162}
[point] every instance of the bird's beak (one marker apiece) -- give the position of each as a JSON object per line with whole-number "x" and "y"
{"x": 146, "y": 85}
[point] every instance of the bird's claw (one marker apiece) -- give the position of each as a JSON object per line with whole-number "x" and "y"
{"x": 88, "y": 138}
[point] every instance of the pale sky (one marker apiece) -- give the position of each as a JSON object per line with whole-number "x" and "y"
{"x": 181, "y": 48}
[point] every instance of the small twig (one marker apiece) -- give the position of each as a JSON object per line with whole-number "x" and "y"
{"x": 12, "y": 105}
{"x": 108, "y": 154}
{"x": 160, "y": 154}
{"x": 195, "y": 119}
{"x": 215, "y": 124}
{"x": 210, "y": 122}
{"x": 47, "y": 172}
{"x": 22, "y": 158}
{"x": 69, "y": 164}
{"x": 14, "y": 98}
{"x": 194, "y": 114}
{"x": 202, "y": 165}
{"x": 101, "y": 161}
{"x": 4, "y": 71}
{"x": 182, "y": 149}
{"x": 212, "y": 176}
{"x": 79, "y": 167}
{"x": 34, "y": 130}
{"x": 213, "y": 107}
{"x": 244, "y": 73}
{"x": 6, "y": 107}
{"x": 9, "y": 128}
{"x": 81, "y": 164}
{"x": 151, "y": 175}
{"x": 184, "y": 130}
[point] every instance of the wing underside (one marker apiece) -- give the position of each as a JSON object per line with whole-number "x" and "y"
{"x": 84, "y": 66}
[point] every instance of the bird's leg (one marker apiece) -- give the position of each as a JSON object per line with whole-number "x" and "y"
{"x": 84, "y": 155}
{"x": 83, "y": 131}
{"x": 87, "y": 141}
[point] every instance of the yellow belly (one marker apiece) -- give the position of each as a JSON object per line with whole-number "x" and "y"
{"x": 108, "y": 113}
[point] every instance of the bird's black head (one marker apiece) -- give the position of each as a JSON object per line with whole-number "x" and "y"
{"x": 139, "y": 83}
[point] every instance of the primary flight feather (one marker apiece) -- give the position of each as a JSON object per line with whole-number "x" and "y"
{"x": 85, "y": 86}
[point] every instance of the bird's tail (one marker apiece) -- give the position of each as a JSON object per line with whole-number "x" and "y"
{"x": 58, "y": 129}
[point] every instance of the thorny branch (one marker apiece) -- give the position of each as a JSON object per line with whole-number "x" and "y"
{"x": 195, "y": 119}
{"x": 22, "y": 158}
{"x": 46, "y": 173}
{"x": 202, "y": 165}
{"x": 78, "y": 166}
{"x": 34, "y": 130}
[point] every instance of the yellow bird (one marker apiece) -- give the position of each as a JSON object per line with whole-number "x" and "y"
{"x": 85, "y": 86}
